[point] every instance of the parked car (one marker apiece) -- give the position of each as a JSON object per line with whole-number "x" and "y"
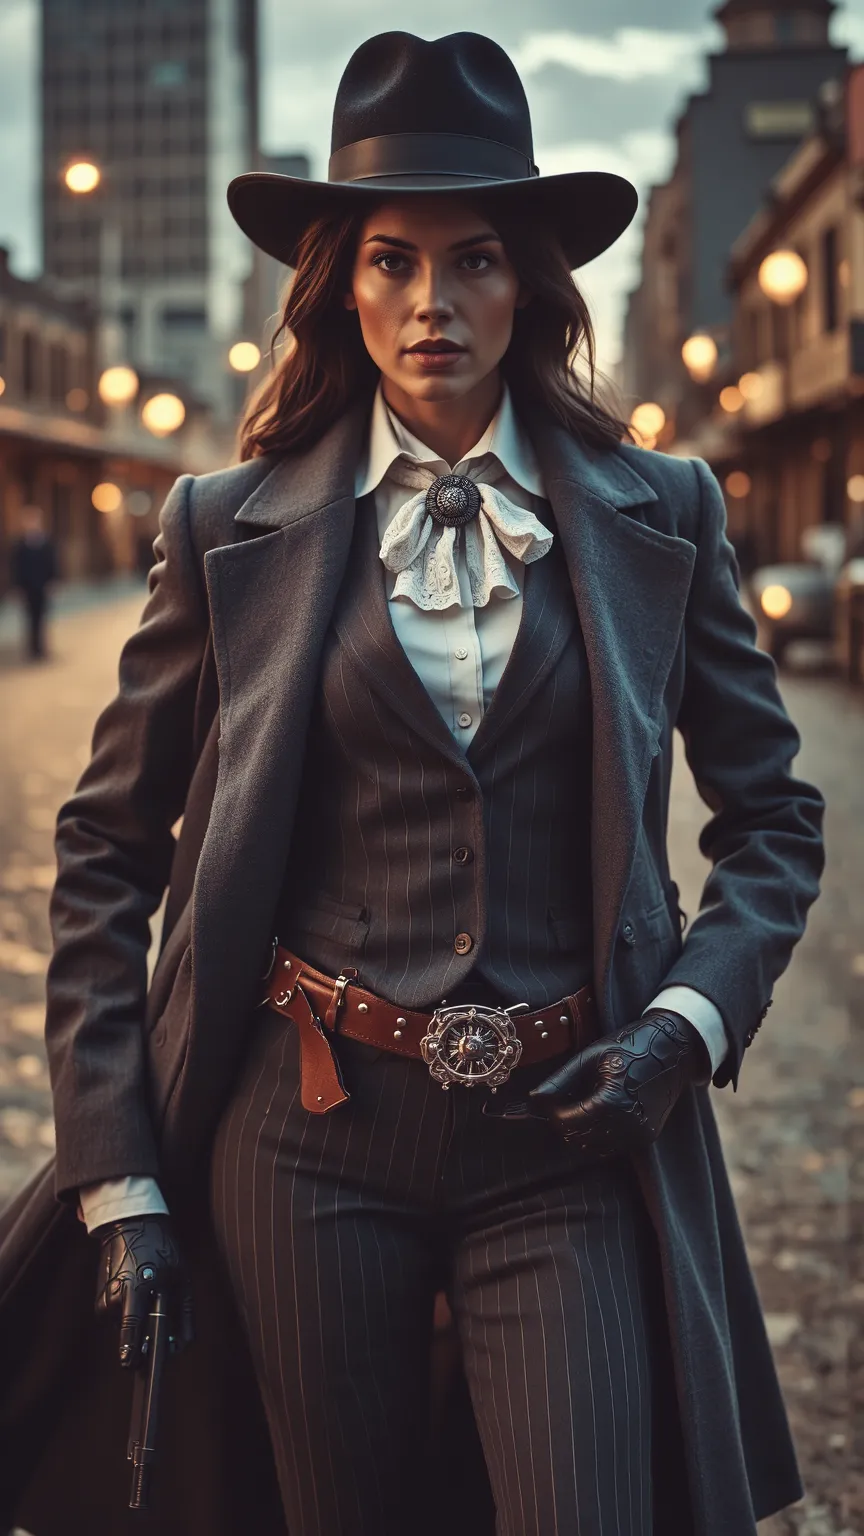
{"x": 796, "y": 600}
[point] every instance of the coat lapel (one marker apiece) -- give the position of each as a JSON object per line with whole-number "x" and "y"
{"x": 631, "y": 584}
{"x": 374, "y": 651}
{"x": 271, "y": 601}
{"x": 545, "y": 626}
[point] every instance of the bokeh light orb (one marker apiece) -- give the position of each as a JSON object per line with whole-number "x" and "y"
{"x": 751, "y": 385}
{"x": 738, "y": 484}
{"x": 163, "y": 414}
{"x": 699, "y": 353}
{"x": 119, "y": 385}
{"x": 82, "y": 176}
{"x": 244, "y": 356}
{"x": 731, "y": 399}
{"x": 106, "y": 496}
{"x": 855, "y": 488}
{"x": 783, "y": 276}
{"x": 776, "y": 602}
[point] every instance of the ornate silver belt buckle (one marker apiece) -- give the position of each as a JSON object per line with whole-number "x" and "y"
{"x": 471, "y": 1044}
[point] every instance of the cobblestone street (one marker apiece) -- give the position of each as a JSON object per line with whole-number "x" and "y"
{"x": 793, "y": 1132}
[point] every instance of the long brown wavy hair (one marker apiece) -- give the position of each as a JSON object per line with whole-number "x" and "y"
{"x": 324, "y": 367}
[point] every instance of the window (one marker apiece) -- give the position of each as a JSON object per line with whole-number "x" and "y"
{"x": 58, "y": 372}
{"x": 785, "y": 25}
{"x": 168, "y": 74}
{"x": 29, "y": 364}
{"x": 778, "y": 120}
{"x": 830, "y": 294}
{"x": 192, "y": 319}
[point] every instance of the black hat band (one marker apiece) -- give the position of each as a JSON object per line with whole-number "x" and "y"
{"x": 429, "y": 154}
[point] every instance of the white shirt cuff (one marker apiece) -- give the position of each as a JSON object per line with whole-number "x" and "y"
{"x": 702, "y": 1014}
{"x": 120, "y": 1200}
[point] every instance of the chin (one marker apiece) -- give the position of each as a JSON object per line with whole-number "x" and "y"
{"x": 439, "y": 387}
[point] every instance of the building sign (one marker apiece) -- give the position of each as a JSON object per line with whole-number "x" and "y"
{"x": 779, "y": 119}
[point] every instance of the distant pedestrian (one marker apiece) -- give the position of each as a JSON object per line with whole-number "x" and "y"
{"x": 34, "y": 567}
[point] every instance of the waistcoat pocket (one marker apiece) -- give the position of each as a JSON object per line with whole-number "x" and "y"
{"x": 327, "y": 918}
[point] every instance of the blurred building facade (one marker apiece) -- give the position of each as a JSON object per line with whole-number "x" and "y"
{"x": 96, "y": 471}
{"x": 162, "y": 97}
{"x": 762, "y": 99}
{"x": 793, "y": 447}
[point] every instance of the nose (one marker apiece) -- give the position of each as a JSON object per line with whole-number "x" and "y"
{"x": 434, "y": 305}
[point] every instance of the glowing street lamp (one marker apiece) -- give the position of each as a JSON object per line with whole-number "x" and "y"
{"x": 163, "y": 414}
{"x": 82, "y": 176}
{"x": 244, "y": 356}
{"x": 783, "y": 276}
{"x": 699, "y": 353}
{"x": 118, "y": 385}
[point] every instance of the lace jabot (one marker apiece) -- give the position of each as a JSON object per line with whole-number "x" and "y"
{"x": 422, "y": 553}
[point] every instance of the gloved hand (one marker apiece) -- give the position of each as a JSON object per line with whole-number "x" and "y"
{"x": 616, "y": 1095}
{"x": 140, "y": 1256}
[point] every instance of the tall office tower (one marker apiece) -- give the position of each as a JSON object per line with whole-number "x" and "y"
{"x": 762, "y": 98}
{"x": 160, "y": 95}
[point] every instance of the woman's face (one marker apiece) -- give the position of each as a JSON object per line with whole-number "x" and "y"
{"x": 433, "y": 271}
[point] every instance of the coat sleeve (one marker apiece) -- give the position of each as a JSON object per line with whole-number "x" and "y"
{"x": 764, "y": 838}
{"x": 114, "y": 847}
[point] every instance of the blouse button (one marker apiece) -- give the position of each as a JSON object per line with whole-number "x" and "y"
{"x": 460, "y": 653}
{"x": 464, "y": 719}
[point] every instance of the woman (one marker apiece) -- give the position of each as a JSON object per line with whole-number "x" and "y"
{"x": 412, "y": 670}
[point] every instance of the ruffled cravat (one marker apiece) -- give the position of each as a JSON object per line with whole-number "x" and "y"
{"x": 421, "y": 552}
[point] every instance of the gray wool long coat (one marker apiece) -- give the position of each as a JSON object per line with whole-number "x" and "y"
{"x": 215, "y": 694}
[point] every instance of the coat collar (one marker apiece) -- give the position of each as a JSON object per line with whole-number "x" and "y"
{"x": 303, "y": 483}
{"x": 605, "y": 475}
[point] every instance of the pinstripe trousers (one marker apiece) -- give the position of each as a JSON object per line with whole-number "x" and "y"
{"x": 338, "y": 1231}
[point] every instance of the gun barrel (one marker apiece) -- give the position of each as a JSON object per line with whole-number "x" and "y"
{"x": 146, "y": 1402}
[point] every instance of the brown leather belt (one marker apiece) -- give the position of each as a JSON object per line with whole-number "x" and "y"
{"x": 469, "y": 1044}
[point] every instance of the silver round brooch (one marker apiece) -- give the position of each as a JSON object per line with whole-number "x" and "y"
{"x": 453, "y": 500}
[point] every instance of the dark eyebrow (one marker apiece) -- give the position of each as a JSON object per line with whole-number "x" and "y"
{"x": 460, "y": 245}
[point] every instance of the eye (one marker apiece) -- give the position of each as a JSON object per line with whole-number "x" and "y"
{"x": 379, "y": 260}
{"x": 478, "y": 256}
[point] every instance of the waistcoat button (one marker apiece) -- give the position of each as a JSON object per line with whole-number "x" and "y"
{"x": 463, "y": 943}
{"x": 463, "y": 855}
{"x": 628, "y": 933}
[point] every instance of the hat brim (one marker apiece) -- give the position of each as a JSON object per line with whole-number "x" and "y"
{"x": 588, "y": 209}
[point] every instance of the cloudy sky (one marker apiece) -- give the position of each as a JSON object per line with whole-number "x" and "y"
{"x": 605, "y": 86}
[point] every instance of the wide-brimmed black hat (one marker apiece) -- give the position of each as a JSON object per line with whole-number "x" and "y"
{"x": 444, "y": 116}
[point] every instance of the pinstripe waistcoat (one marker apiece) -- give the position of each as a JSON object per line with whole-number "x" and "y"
{"x": 405, "y": 841}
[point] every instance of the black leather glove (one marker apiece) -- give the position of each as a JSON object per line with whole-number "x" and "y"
{"x": 139, "y": 1257}
{"x": 616, "y": 1095}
